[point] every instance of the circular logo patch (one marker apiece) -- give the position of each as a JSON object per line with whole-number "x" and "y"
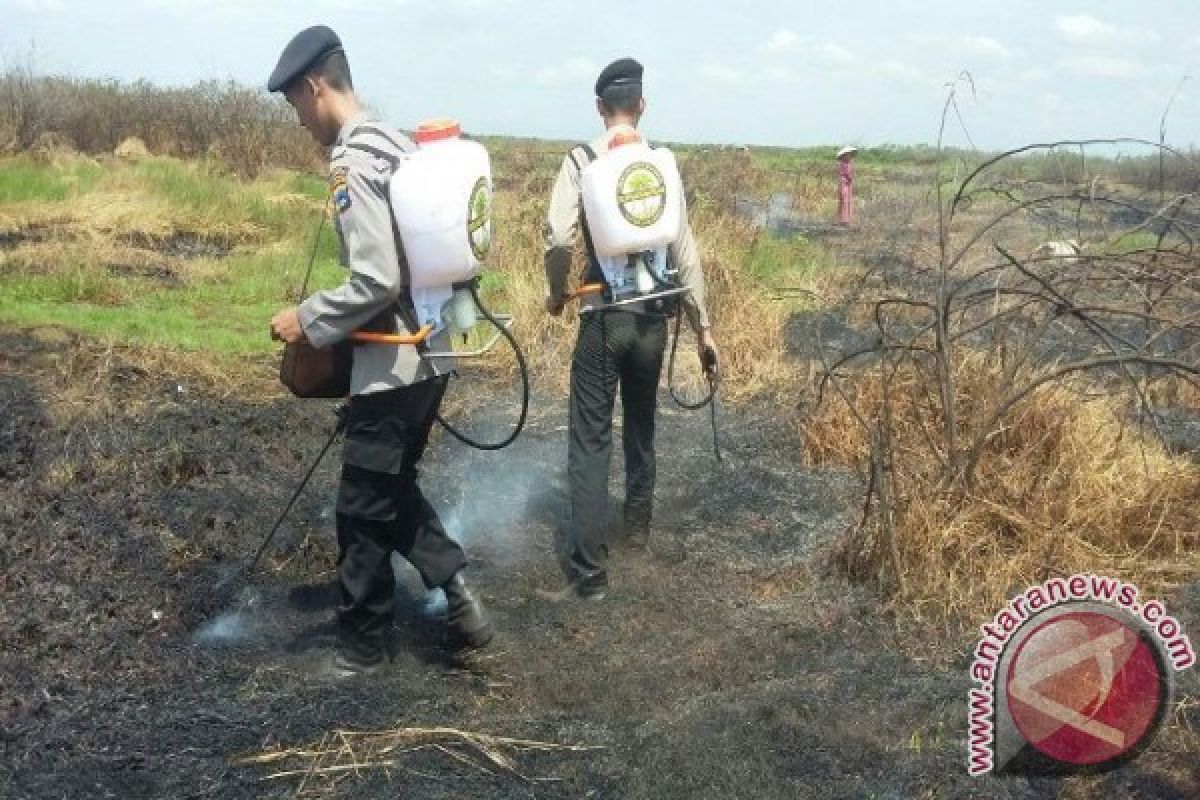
{"x": 641, "y": 194}
{"x": 1086, "y": 689}
{"x": 479, "y": 219}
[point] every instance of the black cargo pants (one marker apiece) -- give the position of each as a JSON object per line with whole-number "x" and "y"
{"x": 380, "y": 509}
{"x": 614, "y": 348}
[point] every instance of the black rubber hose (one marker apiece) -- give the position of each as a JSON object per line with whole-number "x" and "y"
{"x": 512, "y": 437}
{"x": 712, "y": 380}
{"x": 709, "y": 400}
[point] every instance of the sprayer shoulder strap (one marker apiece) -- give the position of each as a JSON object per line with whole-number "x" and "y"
{"x": 588, "y": 152}
{"x": 403, "y": 307}
{"x": 593, "y": 273}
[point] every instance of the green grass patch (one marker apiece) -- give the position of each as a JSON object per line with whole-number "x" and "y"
{"x": 776, "y": 262}
{"x": 74, "y": 284}
{"x": 23, "y": 180}
{"x": 219, "y": 198}
{"x": 227, "y": 314}
{"x": 1132, "y": 242}
{"x": 239, "y": 332}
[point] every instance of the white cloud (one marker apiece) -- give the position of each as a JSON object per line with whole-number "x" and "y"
{"x": 898, "y": 70}
{"x": 778, "y": 74}
{"x": 572, "y": 70}
{"x": 1087, "y": 31}
{"x": 1033, "y": 74}
{"x": 780, "y": 41}
{"x": 1049, "y": 101}
{"x": 35, "y": 5}
{"x": 1103, "y": 66}
{"x": 835, "y": 53}
{"x": 722, "y": 73}
{"x": 1084, "y": 29}
{"x": 982, "y": 46}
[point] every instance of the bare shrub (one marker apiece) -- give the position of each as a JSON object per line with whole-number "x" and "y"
{"x": 1003, "y": 415}
{"x": 249, "y": 128}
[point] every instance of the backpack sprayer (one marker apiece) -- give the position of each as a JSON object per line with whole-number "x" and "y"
{"x": 445, "y": 249}
{"x": 441, "y": 203}
{"x": 629, "y": 240}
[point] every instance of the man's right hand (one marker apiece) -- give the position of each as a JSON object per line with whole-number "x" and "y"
{"x": 554, "y": 307}
{"x": 707, "y": 346}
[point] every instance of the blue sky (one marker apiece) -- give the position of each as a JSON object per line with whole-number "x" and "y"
{"x": 753, "y": 71}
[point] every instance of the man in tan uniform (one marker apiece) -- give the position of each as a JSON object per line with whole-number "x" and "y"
{"x": 621, "y": 347}
{"x": 395, "y": 393}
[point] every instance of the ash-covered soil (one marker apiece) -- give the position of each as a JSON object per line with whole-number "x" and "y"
{"x": 728, "y": 663}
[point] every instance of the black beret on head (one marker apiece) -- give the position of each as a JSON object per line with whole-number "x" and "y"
{"x": 622, "y": 72}
{"x": 305, "y": 49}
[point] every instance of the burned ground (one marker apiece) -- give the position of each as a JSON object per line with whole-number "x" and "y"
{"x": 729, "y": 663}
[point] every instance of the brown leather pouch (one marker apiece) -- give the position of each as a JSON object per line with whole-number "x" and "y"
{"x": 317, "y": 371}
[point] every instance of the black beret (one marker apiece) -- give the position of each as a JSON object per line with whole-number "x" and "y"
{"x": 305, "y": 49}
{"x": 622, "y": 72}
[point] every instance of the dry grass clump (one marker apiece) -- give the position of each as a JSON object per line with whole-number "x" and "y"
{"x": 342, "y": 755}
{"x": 1066, "y": 484}
{"x": 245, "y": 128}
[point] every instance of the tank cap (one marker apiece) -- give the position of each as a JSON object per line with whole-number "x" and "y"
{"x": 624, "y": 137}
{"x": 437, "y": 129}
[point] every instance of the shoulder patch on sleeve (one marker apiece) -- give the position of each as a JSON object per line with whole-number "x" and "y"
{"x": 339, "y": 191}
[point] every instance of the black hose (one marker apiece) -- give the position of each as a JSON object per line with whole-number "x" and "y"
{"x": 524, "y": 385}
{"x": 712, "y": 378}
{"x": 711, "y": 372}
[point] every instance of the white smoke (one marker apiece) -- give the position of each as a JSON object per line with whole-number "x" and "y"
{"x": 498, "y": 498}
{"x": 236, "y": 625}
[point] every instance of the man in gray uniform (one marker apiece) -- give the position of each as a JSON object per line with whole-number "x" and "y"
{"x": 614, "y": 347}
{"x": 395, "y": 393}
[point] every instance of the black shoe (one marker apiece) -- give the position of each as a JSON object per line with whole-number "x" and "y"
{"x": 586, "y": 587}
{"x": 343, "y": 664}
{"x": 592, "y": 587}
{"x": 635, "y": 537}
{"x": 464, "y": 613}
{"x": 314, "y": 596}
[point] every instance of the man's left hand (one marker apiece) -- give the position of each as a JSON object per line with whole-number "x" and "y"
{"x": 285, "y": 326}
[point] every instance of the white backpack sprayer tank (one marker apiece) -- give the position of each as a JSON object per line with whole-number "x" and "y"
{"x": 633, "y": 203}
{"x": 441, "y": 198}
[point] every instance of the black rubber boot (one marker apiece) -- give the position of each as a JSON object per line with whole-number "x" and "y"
{"x": 350, "y": 658}
{"x": 464, "y": 613}
{"x": 634, "y": 537}
{"x": 586, "y": 587}
{"x": 592, "y": 587}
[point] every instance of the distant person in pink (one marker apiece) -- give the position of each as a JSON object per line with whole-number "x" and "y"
{"x": 845, "y": 158}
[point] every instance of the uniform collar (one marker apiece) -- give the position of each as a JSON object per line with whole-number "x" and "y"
{"x": 609, "y": 134}
{"x": 355, "y": 119}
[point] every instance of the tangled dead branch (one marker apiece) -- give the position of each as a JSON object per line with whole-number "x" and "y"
{"x": 1006, "y": 412}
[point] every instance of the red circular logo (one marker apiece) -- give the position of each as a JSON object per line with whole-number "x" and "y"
{"x": 1085, "y": 688}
